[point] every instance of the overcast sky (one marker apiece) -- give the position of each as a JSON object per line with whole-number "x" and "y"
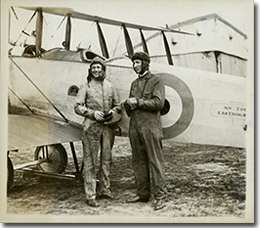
{"x": 159, "y": 12}
{"x": 144, "y": 12}
{"x": 156, "y": 12}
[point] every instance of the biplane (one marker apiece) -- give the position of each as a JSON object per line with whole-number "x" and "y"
{"x": 201, "y": 106}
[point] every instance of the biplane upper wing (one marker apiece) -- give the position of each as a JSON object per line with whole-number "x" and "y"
{"x": 87, "y": 17}
{"x": 25, "y": 131}
{"x": 71, "y": 13}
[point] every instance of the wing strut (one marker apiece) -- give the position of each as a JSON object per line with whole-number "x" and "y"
{"x": 27, "y": 24}
{"x": 12, "y": 8}
{"x": 145, "y": 48}
{"x": 102, "y": 42}
{"x": 68, "y": 33}
{"x": 167, "y": 49}
{"x": 39, "y": 90}
{"x": 39, "y": 25}
{"x": 128, "y": 42}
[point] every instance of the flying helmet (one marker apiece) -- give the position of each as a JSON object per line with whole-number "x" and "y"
{"x": 142, "y": 56}
{"x": 145, "y": 58}
{"x": 100, "y": 61}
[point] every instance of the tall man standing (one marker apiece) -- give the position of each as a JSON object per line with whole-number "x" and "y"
{"x": 146, "y": 100}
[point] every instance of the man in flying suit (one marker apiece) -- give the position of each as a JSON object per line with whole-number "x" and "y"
{"x": 96, "y": 98}
{"x": 146, "y": 100}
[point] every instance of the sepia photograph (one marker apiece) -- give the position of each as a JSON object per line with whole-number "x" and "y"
{"x": 127, "y": 111}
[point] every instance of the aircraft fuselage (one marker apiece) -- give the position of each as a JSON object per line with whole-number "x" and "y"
{"x": 204, "y": 107}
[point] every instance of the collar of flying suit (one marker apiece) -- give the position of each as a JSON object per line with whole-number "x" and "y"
{"x": 143, "y": 75}
{"x": 141, "y": 83}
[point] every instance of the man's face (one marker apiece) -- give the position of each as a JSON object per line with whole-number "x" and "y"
{"x": 96, "y": 70}
{"x": 137, "y": 65}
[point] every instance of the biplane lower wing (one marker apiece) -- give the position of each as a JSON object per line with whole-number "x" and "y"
{"x": 26, "y": 131}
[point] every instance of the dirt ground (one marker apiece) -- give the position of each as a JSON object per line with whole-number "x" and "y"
{"x": 202, "y": 181}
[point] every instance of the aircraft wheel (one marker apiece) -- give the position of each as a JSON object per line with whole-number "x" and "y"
{"x": 53, "y": 157}
{"x": 10, "y": 173}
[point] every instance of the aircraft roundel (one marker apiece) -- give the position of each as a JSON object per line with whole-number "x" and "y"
{"x": 187, "y": 101}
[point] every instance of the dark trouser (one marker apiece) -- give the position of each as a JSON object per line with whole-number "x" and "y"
{"x": 147, "y": 154}
{"x": 95, "y": 138}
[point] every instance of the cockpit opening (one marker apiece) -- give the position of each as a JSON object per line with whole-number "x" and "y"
{"x": 81, "y": 55}
{"x": 87, "y": 55}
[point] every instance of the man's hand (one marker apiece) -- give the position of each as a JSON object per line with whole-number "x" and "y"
{"x": 132, "y": 103}
{"x": 99, "y": 116}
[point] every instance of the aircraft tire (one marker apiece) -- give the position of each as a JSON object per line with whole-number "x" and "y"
{"x": 57, "y": 158}
{"x": 187, "y": 105}
{"x": 10, "y": 173}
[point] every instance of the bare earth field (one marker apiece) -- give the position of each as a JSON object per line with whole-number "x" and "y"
{"x": 202, "y": 181}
